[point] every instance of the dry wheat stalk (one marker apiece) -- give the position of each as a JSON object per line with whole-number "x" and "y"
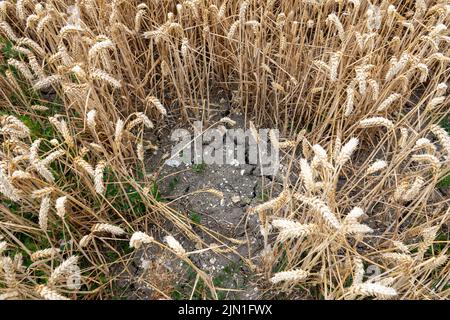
{"x": 83, "y": 54}
{"x": 19, "y": 174}
{"x": 175, "y": 245}
{"x": 273, "y": 204}
{"x": 45, "y": 253}
{"x": 40, "y": 193}
{"x": 433, "y": 262}
{"x": 63, "y": 128}
{"x": 290, "y": 229}
{"x": 98, "y": 177}
{"x": 376, "y": 122}
{"x": 90, "y": 119}
{"x": 52, "y": 157}
{"x": 99, "y": 74}
{"x": 6, "y": 28}
{"x": 142, "y": 8}
{"x": 43, "y": 212}
{"x": 184, "y": 48}
{"x": 3, "y": 246}
{"x": 433, "y": 103}
{"x": 43, "y": 171}
{"x": 22, "y": 67}
{"x": 99, "y": 46}
{"x": 6, "y": 188}
{"x": 400, "y": 246}
{"x": 118, "y": 133}
{"x": 10, "y": 295}
{"x": 292, "y": 276}
{"x": 243, "y": 10}
{"x": 9, "y": 273}
{"x": 413, "y": 189}
{"x": 85, "y": 240}
{"x": 443, "y": 137}
{"x": 388, "y": 102}
{"x": 351, "y": 224}
{"x": 427, "y": 158}
{"x": 63, "y": 270}
{"x": 337, "y": 23}
{"x": 397, "y": 65}
{"x": 159, "y": 106}
{"x": 403, "y": 137}
{"x": 373, "y": 289}
{"x": 107, "y": 228}
{"x": 46, "y": 82}
{"x": 346, "y": 151}
{"x": 401, "y": 258}
{"x": 362, "y": 72}
{"x": 376, "y": 166}
{"x": 232, "y": 30}
{"x": 359, "y": 271}
{"x": 321, "y": 207}
{"x": 140, "y": 150}
{"x": 428, "y": 235}
{"x": 307, "y": 175}
{"x": 83, "y": 164}
{"x": 139, "y": 238}
{"x": 60, "y": 205}
{"x": 425, "y": 144}
{"x": 215, "y": 192}
{"x": 49, "y": 294}
{"x": 228, "y": 121}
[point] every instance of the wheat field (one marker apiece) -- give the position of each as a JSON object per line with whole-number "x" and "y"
{"x": 357, "y": 89}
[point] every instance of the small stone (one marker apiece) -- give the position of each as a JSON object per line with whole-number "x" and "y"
{"x": 235, "y": 199}
{"x": 248, "y": 169}
{"x": 246, "y": 200}
{"x": 173, "y": 163}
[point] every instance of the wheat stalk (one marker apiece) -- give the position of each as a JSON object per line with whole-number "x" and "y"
{"x": 85, "y": 240}
{"x": 60, "y": 206}
{"x": 443, "y": 137}
{"x": 139, "y": 238}
{"x": 155, "y": 102}
{"x": 10, "y": 295}
{"x": 98, "y": 177}
{"x": 273, "y": 204}
{"x": 45, "y": 253}
{"x": 373, "y": 289}
{"x": 346, "y": 151}
{"x": 376, "y": 122}
{"x": 102, "y": 75}
{"x": 107, "y": 228}
{"x": 49, "y": 294}
{"x": 321, "y": 207}
{"x": 290, "y": 229}
{"x": 292, "y": 276}
{"x": 63, "y": 270}
{"x": 388, "y": 102}
{"x": 401, "y": 258}
{"x": 9, "y": 273}
{"x": 175, "y": 245}
{"x": 83, "y": 164}
{"x": 43, "y": 213}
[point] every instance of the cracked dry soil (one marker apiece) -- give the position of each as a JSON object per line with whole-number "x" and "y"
{"x": 242, "y": 187}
